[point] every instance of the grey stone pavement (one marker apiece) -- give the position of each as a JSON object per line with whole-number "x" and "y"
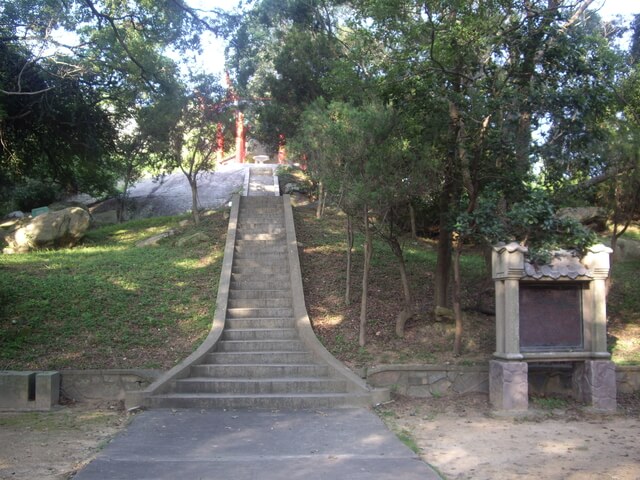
{"x": 171, "y": 195}
{"x": 349, "y": 444}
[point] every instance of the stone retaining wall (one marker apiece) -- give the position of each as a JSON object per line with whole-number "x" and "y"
{"x": 411, "y": 380}
{"x": 443, "y": 380}
{"x": 430, "y": 380}
{"x": 111, "y": 385}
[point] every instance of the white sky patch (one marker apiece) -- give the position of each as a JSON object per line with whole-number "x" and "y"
{"x": 609, "y": 9}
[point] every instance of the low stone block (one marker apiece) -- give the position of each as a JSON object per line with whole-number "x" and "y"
{"x": 508, "y": 385}
{"x": 384, "y": 379}
{"x": 420, "y": 391}
{"x": 628, "y": 379}
{"x": 17, "y": 390}
{"x": 47, "y": 390}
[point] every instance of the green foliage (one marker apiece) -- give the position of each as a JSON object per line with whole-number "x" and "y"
{"x": 79, "y": 115}
{"x": 550, "y": 403}
{"x": 35, "y": 193}
{"x": 291, "y": 174}
{"x": 534, "y": 223}
{"x": 405, "y": 437}
{"x": 280, "y": 55}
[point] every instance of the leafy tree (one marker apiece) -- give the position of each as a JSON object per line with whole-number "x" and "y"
{"x": 58, "y": 134}
{"x": 73, "y": 92}
{"x": 479, "y": 79}
{"x": 192, "y": 139}
{"x": 280, "y": 56}
{"x": 360, "y": 155}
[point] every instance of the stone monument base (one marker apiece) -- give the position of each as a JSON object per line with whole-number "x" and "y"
{"x": 509, "y": 385}
{"x": 594, "y": 384}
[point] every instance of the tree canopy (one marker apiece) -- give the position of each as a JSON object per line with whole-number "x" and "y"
{"x": 79, "y": 77}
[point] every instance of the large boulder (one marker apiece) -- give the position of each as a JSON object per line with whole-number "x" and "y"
{"x": 64, "y": 228}
{"x": 592, "y": 217}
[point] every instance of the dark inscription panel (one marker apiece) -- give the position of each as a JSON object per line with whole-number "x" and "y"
{"x": 550, "y": 317}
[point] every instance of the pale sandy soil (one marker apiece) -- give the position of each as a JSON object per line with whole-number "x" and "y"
{"x": 461, "y": 438}
{"x": 54, "y": 445}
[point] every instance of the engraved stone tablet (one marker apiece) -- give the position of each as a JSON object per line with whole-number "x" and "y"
{"x": 551, "y": 317}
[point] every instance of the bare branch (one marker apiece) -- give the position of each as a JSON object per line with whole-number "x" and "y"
{"x": 37, "y": 92}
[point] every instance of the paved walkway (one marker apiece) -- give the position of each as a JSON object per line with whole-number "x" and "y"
{"x": 215, "y": 444}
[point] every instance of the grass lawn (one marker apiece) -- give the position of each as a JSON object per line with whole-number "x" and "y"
{"x": 108, "y": 303}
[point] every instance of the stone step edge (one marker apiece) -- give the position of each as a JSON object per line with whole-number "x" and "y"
{"x": 259, "y": 380}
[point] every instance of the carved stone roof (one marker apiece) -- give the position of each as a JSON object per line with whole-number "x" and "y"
{"x": 563, "y": 264}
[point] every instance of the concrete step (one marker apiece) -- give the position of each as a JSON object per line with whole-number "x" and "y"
{"x": 268, "y": 226}
{"x": 260, "y": 358}
{"x": 259, "y": 370}
{"x": 257, "y": 312}
{"x": 271, "y": 218}
{"x": 259, "y": 245}
{"x": 262, "y": 269}
{"x": 267, "y": 201}
{"x": 244, "y": 323}
{"x": 259, "y": 346}
{"x": 258, "y": 235}
{"x": 260, "y": 212}
{"x": 246, "y": 258}
{"x": 275, "y": 275}
{"x": 260, "y": 294}
{"x": 270, "y": 199}
{"x": 254, "y": 251}
{"x": 259, "y": 285}
{"x": 260, "y": 334}
{"x": 267, "y": 302}
{"x": 260, "y": 386}
{"x": 266, "y": 401}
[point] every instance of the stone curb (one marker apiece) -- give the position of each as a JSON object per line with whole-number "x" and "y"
{"x": 303, "y": 323}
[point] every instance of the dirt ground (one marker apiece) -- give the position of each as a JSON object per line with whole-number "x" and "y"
{"x": 54, "y": 445}
{"x": 555, "y": 440}
{"x": 460, "y": 437}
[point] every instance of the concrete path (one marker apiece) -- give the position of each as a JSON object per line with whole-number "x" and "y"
{"x": 228, "y": 444}
{"x": 172, "y": 194}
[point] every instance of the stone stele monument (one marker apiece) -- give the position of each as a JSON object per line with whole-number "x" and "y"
{"x": 551, "y": 313}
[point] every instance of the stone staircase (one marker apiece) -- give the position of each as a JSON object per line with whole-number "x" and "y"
{"x": 261, "y": 360}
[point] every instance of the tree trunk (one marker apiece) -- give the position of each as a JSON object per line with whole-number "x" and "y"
{"x": 407, "y": 308}
{"x": 347, "y": 292}
{"x": 194, "y": 200}
{"x": 412, "y": 216}
{"x": 122, "y": 201}
{"x": 443, "y": 264}
{"x": 319, "y": 207}
{"x": 368, "y": 251}
{"x": 457, "y": 303}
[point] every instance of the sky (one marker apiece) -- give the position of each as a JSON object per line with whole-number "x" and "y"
{"x": 610, "y": 8}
